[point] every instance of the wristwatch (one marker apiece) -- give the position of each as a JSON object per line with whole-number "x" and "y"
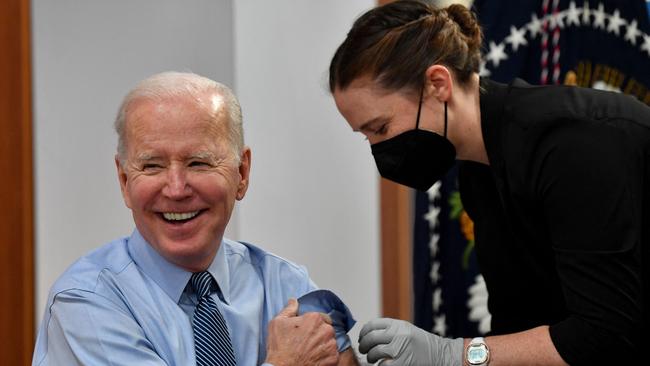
{"x": 477, "y": 352}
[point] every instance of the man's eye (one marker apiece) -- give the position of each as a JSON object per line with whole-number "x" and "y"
{"x": 199, "y": 164}
{"x": 151, "y": 166}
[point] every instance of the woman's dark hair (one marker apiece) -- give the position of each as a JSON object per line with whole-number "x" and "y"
{"x": 394, "y": 44}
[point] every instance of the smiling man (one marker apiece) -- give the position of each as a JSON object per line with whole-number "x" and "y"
{"x": 176, "y": 292}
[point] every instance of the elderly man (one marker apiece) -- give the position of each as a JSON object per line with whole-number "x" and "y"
{"x": 176, "y": 292}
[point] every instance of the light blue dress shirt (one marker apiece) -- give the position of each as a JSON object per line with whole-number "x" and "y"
{"x": 124, "y": 304}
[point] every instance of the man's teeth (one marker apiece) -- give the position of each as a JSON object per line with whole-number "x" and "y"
{"x": 176, "y": 216}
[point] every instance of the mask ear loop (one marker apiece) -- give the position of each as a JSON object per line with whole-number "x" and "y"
{"x": 445, "y": 119}
{"x": 417, "y": 119}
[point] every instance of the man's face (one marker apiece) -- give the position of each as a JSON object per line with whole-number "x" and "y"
{"x": 180, "y": 178}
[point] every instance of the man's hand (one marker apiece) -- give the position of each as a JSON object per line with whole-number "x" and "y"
{"x": 301, "y": 340}
{"x": 402, "y": 343}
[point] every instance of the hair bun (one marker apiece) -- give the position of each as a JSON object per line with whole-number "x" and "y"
{"x": 468, "y": 24}
{"x": 394, "y": 45}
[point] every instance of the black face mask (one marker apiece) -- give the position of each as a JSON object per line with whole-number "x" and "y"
{"x": 415, "y": 158}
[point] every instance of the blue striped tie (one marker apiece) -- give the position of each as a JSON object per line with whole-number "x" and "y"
{"x": 211, "y": 339}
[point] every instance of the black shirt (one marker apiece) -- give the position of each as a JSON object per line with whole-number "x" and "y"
{"x": 562, "y": 216}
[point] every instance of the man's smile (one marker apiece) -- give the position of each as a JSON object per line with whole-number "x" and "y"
{"x": 180, "y": 217}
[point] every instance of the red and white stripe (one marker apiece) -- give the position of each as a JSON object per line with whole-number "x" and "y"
{"x": 555, "y": 39}
{"x": 556, "y": 44}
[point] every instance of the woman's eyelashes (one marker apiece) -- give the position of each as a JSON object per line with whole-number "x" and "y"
{"x": 379, "y": 131}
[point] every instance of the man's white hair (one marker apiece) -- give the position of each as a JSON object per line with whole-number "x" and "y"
{"x": 173, "y": 84}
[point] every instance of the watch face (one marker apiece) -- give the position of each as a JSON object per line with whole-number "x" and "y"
{"x": 477, "y": 354}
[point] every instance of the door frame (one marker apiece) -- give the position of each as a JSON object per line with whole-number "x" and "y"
{"x": 16, "y": 186}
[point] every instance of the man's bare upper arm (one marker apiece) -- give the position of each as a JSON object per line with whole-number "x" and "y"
{"x": 348, "y": 358}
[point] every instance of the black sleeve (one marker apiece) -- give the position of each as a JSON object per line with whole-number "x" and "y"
{"x": 497, "y": 252}
{"x": 590, "y": 186}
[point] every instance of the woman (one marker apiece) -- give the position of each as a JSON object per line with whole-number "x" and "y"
{"x": 556, "y": 179}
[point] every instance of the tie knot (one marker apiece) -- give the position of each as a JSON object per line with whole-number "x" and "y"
{"x": 201, "y": 283}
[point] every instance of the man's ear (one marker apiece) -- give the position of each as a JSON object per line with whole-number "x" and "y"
{"x": 244, "y": 173}
{"x": 123, "y": 178}
{"x": 439, "y": 82}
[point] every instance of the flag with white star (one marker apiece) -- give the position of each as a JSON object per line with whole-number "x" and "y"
{"x": 450, "y": 297}
{"x": 599, "y": 44}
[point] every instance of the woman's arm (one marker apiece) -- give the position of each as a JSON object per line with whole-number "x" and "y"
{"x": 530, "y": 347}
{"x": 402, "y": 343}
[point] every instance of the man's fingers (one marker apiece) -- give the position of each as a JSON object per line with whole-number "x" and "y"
{"x": 373, "y": 339}
{"x": 379, "y": 352}
{"x": 290, "y": 310}
{"x": 326, "y": 318}
{"x": 379, "y": 323}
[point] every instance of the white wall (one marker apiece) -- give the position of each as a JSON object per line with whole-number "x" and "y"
{"x": 314, "y": 191}
{"x": 87, "y": 55}
{"x": 313, "y": 196}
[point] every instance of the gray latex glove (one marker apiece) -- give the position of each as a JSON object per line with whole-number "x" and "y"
{"x": 402, "y": 343}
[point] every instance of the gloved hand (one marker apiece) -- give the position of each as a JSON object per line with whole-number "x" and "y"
{"x": 402, "y": 343}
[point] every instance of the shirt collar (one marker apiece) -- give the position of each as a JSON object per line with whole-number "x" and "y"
{"x": 170, "y": 277}
{"x": 219, "y": 270}
{"x": 493, "y": 100}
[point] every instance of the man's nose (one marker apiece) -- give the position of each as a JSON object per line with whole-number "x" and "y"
{"x": 177, "y": 187}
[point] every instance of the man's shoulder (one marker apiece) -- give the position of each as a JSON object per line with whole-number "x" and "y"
{"x": 111, "y": 258}
{"x": 263, "y": 261}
